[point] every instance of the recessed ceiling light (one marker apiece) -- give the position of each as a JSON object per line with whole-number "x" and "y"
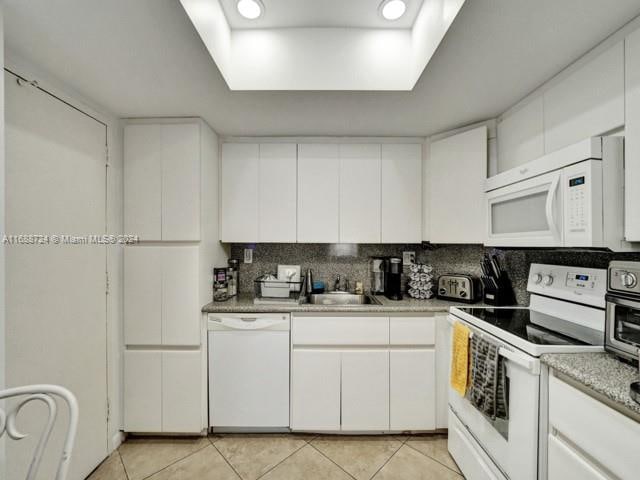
{"x": 393, "y": 9}
{"x": 250, "y": 9}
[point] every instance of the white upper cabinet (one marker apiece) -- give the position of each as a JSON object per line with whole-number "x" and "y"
{"x": 632, "y": 141}
{"x": 458, "y": 168}
{"x": 521, "y": 135}
{"x": 318, "y": 193}
{"x": 360, "y": 193}
{"x": 239, "y": 187}
{"x": 181, "y": 182}
{"x": 401, "y": 215}
{"x": 143, "y": 181}
{"x": 589, "y": 102}
{"x": 162, "y": 181}
{"x": 259, "y": 192}
{"x": 277, "y": 204}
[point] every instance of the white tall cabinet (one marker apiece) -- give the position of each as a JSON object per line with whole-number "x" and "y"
{"x": 458, "y": 168}
{"x": 171, "y": 195}
{"x": 632, "y": 140}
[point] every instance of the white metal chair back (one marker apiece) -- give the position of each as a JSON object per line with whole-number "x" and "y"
{"x": 44, "y": 394}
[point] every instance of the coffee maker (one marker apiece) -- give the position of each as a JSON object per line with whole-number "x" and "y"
{"x": 376, "y": 267}
{"x": 393, "y": 278}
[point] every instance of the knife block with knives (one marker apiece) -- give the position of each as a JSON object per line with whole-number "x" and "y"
{"x": 497, "y": 288}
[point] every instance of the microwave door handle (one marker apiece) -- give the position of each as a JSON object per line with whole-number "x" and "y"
{"x": 549, "y": 207}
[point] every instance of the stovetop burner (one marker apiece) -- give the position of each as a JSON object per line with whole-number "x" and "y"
{"x": 536, "y": 327}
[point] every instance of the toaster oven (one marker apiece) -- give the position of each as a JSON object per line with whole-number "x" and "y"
{"x": 622, "y": 329}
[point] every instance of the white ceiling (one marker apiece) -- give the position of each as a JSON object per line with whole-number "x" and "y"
{"x": 144, "y": 58}
{"x": 320, "y": 13}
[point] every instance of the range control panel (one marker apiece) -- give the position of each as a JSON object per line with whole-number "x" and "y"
{"x": 582, "y": 285}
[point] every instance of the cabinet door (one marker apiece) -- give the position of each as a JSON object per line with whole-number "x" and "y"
{"x": 632, "y": 140}
{"x": 181, "y": 392}
{"x": 143, "y": 181}
{"x": 402, "y": 193}
{"x": 180, "y": 296}
{"x": 181, "y": 182}
{"x": 365, "y": 390}
{"x": 142, "y": 295}
{"x": 458, "y": 166}
{"x": 360, "y": 193}
{"x": 239, "y": 192}
{"x": 315, "y": 390}
{"x": 277, "y": 205}
{"x": 318, "y": 193}
{"x": 142, "y": 391}
{"x": 443, "y": 361}
{"x": 521, "y": 136}
{"x": 412, "y": 390}
{"x": 564, "y": 462}
{"x": 589, "y": 102}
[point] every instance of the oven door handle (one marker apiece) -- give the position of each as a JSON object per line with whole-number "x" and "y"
{"x": 532, "y": 365}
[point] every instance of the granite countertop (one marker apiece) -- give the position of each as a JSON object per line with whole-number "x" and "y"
{"x": 601, "y": 373}
{"x": 244, "y": 304}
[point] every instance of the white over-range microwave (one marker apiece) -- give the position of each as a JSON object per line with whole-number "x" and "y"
{"x": 573, "y": 197}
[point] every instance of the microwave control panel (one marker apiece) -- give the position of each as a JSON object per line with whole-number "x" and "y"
{"x": 582, "y": 192}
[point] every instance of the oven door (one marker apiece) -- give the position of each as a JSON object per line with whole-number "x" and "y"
{"x": 622, "y": 330}
{"x": 527, "y": 213}
{"x": 512, "y": 445}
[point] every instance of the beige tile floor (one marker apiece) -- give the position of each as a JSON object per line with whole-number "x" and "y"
{"x": 281, "y": 457}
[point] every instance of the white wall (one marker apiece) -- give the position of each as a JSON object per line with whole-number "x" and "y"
{"x": 114, "y": 219}
{"x": 2, "y": 266}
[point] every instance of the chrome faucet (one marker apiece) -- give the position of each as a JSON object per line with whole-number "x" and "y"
{"x": 338, "y": 288}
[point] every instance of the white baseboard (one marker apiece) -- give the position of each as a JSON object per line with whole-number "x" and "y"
{"x": 116, "y": 440}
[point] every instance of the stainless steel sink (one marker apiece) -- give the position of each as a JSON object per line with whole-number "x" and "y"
{"x": 342, "y": 298}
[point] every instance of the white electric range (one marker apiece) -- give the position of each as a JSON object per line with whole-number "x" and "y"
{"x": 566, "y": 315}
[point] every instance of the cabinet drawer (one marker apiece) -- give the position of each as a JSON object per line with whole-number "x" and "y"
{"x": 412, "y": 331}
{"x": 608, "y": 437}
{"x": 357, "y": 330}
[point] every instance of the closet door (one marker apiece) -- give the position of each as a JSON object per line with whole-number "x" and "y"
{"x": 55, "y": 293}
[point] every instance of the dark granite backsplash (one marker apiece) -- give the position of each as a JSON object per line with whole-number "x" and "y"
{"x": 352, "y": 261}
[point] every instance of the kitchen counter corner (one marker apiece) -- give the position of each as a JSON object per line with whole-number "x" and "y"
{"x": 602, "y": 373}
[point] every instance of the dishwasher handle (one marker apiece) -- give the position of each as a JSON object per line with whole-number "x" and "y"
{"x": 248, "y": 322}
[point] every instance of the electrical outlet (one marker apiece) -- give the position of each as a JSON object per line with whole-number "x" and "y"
{"x": 248, "y": 255}
{"x": 408, "y": 258}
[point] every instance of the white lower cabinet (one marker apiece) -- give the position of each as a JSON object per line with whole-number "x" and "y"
{"x": 315, "y": 390}
{"x": 386, "y": 383}
{"x": 181, "y": 391}
{"x": 565, "y": 463}
{"x": 142, "y": 391}
{"x": 365, "y": 390}
{"x": 412, "y": 390}
{"x": 163, "y": 391}
{"x": 588, "y": 439}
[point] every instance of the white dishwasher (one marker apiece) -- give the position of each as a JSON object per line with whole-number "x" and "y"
{"x": 249, "y": 372}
